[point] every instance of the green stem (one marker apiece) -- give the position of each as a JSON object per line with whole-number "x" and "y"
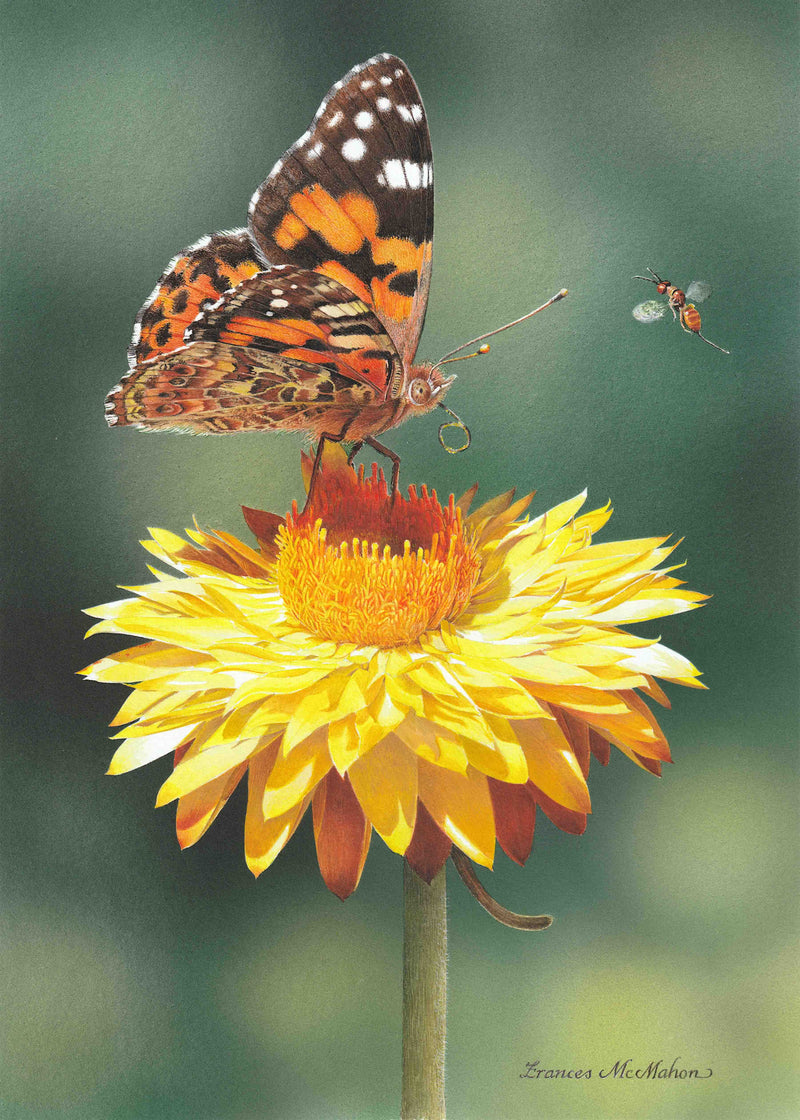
{"x": 424, "y": 996}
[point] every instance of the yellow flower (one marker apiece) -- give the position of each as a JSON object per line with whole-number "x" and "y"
{"x": 406, "y": 667}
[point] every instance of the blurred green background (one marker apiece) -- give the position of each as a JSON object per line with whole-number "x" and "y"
{"x": 575, "y": 143}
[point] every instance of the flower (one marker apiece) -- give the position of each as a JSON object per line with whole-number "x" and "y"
{"x": 400, "y": 665}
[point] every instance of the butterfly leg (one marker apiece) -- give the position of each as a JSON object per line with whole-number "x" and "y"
{"x": 373, "y": 443}
{"x": 354, "y": 450}
{"x": 334, "y": 438}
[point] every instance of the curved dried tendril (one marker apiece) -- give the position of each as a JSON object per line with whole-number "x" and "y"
{"x": 490, "y": 905}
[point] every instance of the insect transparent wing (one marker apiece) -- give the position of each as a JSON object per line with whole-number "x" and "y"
{"x": 650, "y": 311}
{"x": 698, "y": 290}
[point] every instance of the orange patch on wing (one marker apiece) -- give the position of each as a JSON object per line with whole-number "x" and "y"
{"x": 334, "y": 270}
{"x": 195, "y": 292}
{"x": 398, "y": 251}
{"x": 375, "y": 370}
{"x": 290, "y": 231}
{"x": 392, "y": 304}
{"x": 316, "y": 356}
{"x": 362, "y": 211}
{"x": 321, "y": 212}
{"x": 242, "y": 330}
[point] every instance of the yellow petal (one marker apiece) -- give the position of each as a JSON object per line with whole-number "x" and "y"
{"x": 191, "y": 773}
{"x": 552, "y": 764}
{"x": 344, "y": 743}
{"x": 461, "y": 806}
{"x": 501, "y": 757}
{"x": 295, "y": 775}
{"x": 141, "y": 750}
{"x": 264, "y": 838}
{"x": 385, "y": 783}
{"x": 429, "y": 742}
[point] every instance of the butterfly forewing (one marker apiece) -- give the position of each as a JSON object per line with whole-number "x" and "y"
{"x": 307, "y": 317}
{"x": 353, "y": 198}
{"x": 194, "y": 279}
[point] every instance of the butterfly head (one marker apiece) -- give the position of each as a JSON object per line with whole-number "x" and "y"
{"x": 424, "y": 388}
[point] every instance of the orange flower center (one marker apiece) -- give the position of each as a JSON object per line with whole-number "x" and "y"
{"x": 358, "y": 566}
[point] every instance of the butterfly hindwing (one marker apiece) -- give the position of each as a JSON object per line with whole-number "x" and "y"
{"x": 216, "y": 387}
{"x": 194, "y": 279}
{"x": 353, "y": 198}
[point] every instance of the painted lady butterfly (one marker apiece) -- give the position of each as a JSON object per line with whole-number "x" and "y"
{"x": 309, "y": 319}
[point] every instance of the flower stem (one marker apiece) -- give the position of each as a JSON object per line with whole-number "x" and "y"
{"x": 424, "y": 996}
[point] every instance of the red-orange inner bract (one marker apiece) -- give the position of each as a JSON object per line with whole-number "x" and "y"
{"x": 358, "y": 565}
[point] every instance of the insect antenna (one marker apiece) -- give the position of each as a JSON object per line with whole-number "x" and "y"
{"x": 484, "y": 349}
{"x": 497, "y": 330}
{"x": 653, "y": 278}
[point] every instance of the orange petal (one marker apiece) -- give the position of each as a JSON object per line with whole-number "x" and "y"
{"x": 651, "y": 764}
{"x": 429, "y": 847}
{"x": 461, "y": 806}
{"x": 199, "y": 809}
{"x": 600, "y": 747}
{"x": 568, "y": 820}
{"x": 264, "y": 527}
{"x": 552, "y": 764}
{"x": 341, "y": 832}
{"x": 514, "y": 818}
{"x": 576, "y": 731}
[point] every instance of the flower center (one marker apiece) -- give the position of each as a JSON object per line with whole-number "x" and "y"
{"x": 359, "y": 566}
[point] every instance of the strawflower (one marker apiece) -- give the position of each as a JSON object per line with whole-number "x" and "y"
{"x": 400, "y": 665}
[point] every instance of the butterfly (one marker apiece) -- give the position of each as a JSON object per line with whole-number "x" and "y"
{"x": 309, "y": 319}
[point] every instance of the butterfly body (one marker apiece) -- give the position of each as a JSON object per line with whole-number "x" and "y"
{"x": 309, "y": 319}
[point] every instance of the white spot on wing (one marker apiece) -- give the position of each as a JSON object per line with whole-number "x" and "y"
{"x": 364, "y": 119}
{"x": 385, "y": 80}
{"x": 383, "y": 104}
{"x": 393, "y": 173}
{"x": 368, "y": 83}
{"x": 413, "y": 173}
{"x": 337, "y": 116}
{"x": 354, "y": 149}
{"x": 279, "y": 303}
{"x": 314, "y": 151}
{"x": 276, "y": 168}
{"x": 277, "y": 291}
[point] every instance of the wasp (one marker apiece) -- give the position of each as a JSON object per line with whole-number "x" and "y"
{"x": 681, "y": 304}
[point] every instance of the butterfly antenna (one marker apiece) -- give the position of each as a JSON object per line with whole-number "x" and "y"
{"x": 710, "y": 343}
{"x": 477, "y": 354}
{"x": 449, "y": 357}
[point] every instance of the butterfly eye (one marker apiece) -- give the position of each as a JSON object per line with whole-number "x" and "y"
{"x": 419, "y": 391}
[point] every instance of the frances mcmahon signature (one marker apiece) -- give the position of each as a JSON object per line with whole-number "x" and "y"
{"x": 657, "y": 1069}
